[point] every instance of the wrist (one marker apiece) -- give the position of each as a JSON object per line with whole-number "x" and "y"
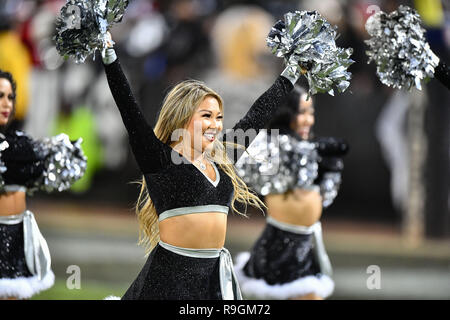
{"x": 292, "y": 73}
{"x": 109, "y": 56}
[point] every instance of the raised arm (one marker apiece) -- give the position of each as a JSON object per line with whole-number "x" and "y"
{"x": 265, "y": 106}
{"x": 260, "y": 113}
{"x": 149, "y": 151}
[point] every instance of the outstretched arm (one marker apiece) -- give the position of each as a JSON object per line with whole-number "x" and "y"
{"x": 149, "y": 151}
{"x": 260, "y": 113}
{"x": 264, "y": 108}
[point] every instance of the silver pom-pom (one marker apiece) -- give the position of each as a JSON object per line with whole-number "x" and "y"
{"x": 399, "y": 49}
{"x": 329, "y": 187}
{"x": 306, "y": 41}
{"x": 64, "y": 163}
{"x": 82, "y": 26}
{"x": 3, "y": 146}
{"x": 278, "y": 163}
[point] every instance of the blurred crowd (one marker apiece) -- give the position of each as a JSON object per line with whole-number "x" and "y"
{"x": 223, "y": 43}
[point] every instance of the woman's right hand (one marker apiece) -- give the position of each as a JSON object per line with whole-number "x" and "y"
{"x": 109, "y": 55}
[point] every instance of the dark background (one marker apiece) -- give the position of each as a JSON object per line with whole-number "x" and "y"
{"x": 185, "y": 51}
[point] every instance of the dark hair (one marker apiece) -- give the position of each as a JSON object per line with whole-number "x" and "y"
{"x": 8, "y": 76}
{"x": 287, "y": 112}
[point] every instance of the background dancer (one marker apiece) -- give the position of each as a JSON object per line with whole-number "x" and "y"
{"x": 28, "y": 165}
{"x": 288, "y": 261}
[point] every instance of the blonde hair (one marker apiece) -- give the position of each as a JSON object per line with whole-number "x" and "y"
{"x": 178, "y": 108}
{"x": 239, "y": 35}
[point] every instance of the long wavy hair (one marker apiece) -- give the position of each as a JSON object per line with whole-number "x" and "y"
{"x": 177, "y": 110}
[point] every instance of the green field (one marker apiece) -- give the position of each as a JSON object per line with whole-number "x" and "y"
{"x": 88, "y": 291}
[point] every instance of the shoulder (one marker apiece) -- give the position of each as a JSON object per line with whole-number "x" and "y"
{"x": 3, "y": 143}
{"x": 16, "y": 140}
{"x": 16, "y": 135}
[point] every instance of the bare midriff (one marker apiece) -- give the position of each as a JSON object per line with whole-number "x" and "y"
{"x": 300, "y": 207}
{"x": 12, "y": 203}
{"x": 195, "y": 230}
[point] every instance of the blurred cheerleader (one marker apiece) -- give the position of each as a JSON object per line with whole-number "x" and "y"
{"x": 28, "y": 165}
{"x": 289, "y": 261}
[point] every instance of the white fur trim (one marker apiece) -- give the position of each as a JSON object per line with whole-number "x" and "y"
{"x": 112, "y": 298}
{"x": 25, "y": 287}
{"x": 322, "y": 286}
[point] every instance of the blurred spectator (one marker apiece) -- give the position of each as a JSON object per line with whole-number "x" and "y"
{"x": 37, "y": 31}
{"x": 223, "y": 43}
{"x": 330, "y": 9}
{"x": 244, "y": 66}
{"x": 147, "y": 28}
{"x": 14, "y": 56}
{"x": 187, "y": 45}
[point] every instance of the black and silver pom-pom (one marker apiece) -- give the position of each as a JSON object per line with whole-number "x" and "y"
{"x": 399, "y": 49}
{"x": 278, "y": 163}
{"x": 82, "y": 26}
{"x": 64, "y": 163}
{"x": 3, "y": 146}
{"x": 306, "y": 41}
{"x": 329, "y": 187}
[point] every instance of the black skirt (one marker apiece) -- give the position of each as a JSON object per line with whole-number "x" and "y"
{"x": 170, "y": 276}
{"x": 15, "y": 278}
{"x": 281, "y": 265}
{"x": 12, "y": 255}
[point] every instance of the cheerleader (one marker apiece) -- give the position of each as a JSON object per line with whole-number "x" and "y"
{"x": 289, "y": 261}
{"x": 28, "y": 165}
{"x": 189, "y": 186}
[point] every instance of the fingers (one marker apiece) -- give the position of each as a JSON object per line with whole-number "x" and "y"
{"x": 109, "y": 41}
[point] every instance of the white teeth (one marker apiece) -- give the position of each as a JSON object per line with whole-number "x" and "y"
{"x": 209, "y": 136}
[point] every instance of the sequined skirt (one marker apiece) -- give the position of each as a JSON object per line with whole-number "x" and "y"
{"x": 168, "y": 275}
{"x": 281, "y": 265}
{"x": 16, "y": 279}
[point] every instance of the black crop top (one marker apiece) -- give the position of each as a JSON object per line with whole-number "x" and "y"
{"x": 20, "y": 164}
{"x": 182, "y": 188}
{"x": 29, "y": 165}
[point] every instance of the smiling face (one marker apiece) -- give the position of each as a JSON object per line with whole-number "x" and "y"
{"x": 305, "y": 117}
{"x": 205, "y": 125}
{"x": 6, "y": 101}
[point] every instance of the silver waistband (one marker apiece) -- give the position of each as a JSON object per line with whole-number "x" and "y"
{"x": 313, "y": 187}
{"x": 227, "y": 276}
{"x": 196, "y": 209}
{"x": 290, "y": 227}
{"x": 319, "y": 247}
{"x": 37, "y": 255}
